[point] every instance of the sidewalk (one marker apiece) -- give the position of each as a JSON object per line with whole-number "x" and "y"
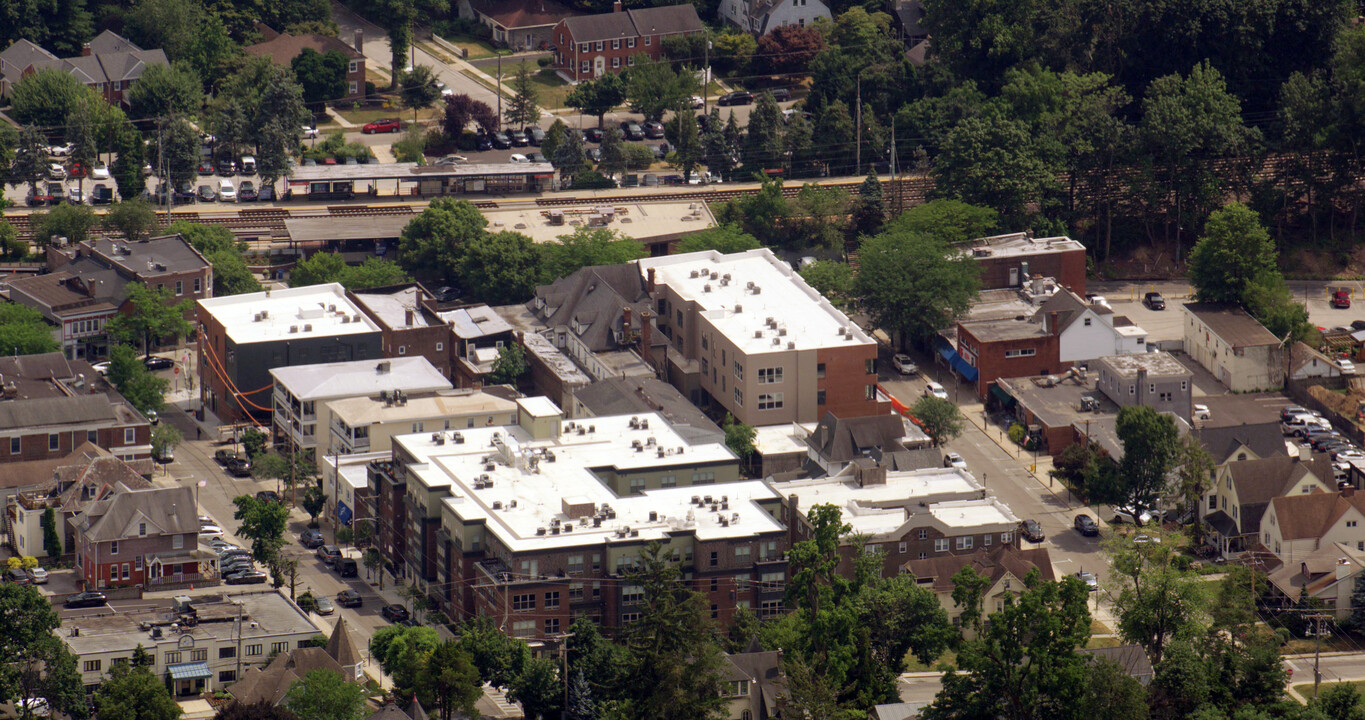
{"x": 1039, "y": 466}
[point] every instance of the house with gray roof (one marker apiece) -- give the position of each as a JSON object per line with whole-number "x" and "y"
{"x": 761, "y": 17}
{"x": 147, "y": 537}
{"x": 1242, "y": 489}
{"x": 109, "y": 64}
{"x": 629, "y": 395}
{"x": 1234, "y": 346}
{"x": 590, "y": 46}
{"x": 601, "y": 316}
{"x": 87, "y": 477}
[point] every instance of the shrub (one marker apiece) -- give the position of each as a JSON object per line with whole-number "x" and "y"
{"x": 1017, "y": 433}
{"x": 592, "y": 180}
{"x": 543, "y": 61}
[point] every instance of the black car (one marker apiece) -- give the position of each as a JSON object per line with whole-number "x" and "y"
{"x": 654, "y": 129}
{"x": 535, "y": 135}
{"x": 1031, "y": 530}
{"x": 447, "y": 293}
{"x": 632, "y": 130}
{"x": 237, "y": 567}
{"x": 782, "y": 94}
{"x": 268, "y": 496}
{"x": 1086, "y": 526}
{"x": 156, "y": 362}
{"x": 1154, "y": 301}
{"x": 518, "y": 138}
{"x": 239, "y": 467}
{"x": 312, "y": 539}
{"x": 394, "y": 613}
{"x": 205, "y": 167}
{"x": 222, "y": 457}
{"x": 227, "y": 168}
{"x": 483, "y": 142}
{"x": 593, "y": 135}
{"x": 347, "y": 567}
{"x": 87, "y": 599}
{"x": 738, "y": 97}
{"x": 350, "y": 598}
{"x": 247, "y": 192}
{"x": 248, "y": 578}
{"x": 207, "y": 193}
{"x": 184, "y": 194}
{"x": 501, "y": 141}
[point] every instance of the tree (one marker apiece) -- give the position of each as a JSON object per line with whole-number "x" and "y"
{"x": 373, "y": 272}
{"x": 509, "y": 366}
{"x": 834, "y": 126}
{"x": 653, "y": 87}
{"x": 1150, "y": 443}
{"x": 553, "y": 137}
{"x": 432, "y": 243}
{"x": 724, "y": 239}
{"x": 374, "y": 564}
{"x": 314, "y": 500}
{"x": 289, "y": 468}
{"x": 23, "y": 331}
{"x": 319, "y": 268}
{"x": 263, "y": 523}
{"x": 789, "y": 48}
{"x": 1194, "y": 469}
{"x": 613, "y": 148}
{"x": 153, "y": 318}
{"x": 816, "y": 218}
{"x": 1113, "y": 694}
{"x": 869, "y": 211}
{"x": 939, "y": 418}
{"x": 449, "y": 682}
{"x": 420, "y": 89}
{"x": 67, "y": 220}
{"x": 1234, "y": 252}
{"x": 537, "y": 688}
{"x": 948, "y": 221}
{"x": 587, "y": 246}
{"x": 912, "y": 284}
{"x": 581, "y": 705}
{"x": 144, "y": 390}
{"x": 37, "y": 663}
{"x": 165, "y": 90}
{"x": 598, "y": 96}
{"x": 279, "y": 116}
{"x": 739, "y": 437}
{"x": 1023, "y": 663}
{"x": 166, "y": 24}
{"x": 134, "y": 219}
{"x": 733, "y": 50}
{"x": 762, "y": 214}
{"x": 716, "y": 155}
{"x": 522, "y": 108}
{"x": 1158, "y": 599}
{"x": 569, "y": 156}
{"x": 134, "y": 693}
{"x": 681, "y": 131}
{"x": 402, "y": 652}
{"x": 165, "y": 437}
{"x": 326, "y": 695}
{"x": 798, "y": 146}
{"x": 29, "y": 165}
{"x": 253, "y": 442}
{"x": 993, "y": 161}
{"x": 52, "y": 542}
{"x": 11, "y": 247}
{"x": 500, "y": 267}
{"x": 833, "y": 279}
{"x": 177, "y": 152}
{"x": 460, "y": 110}
{"x": 129, "y": 156}
{"x": 45, "y": 98}
{"x": 322, "y": 76}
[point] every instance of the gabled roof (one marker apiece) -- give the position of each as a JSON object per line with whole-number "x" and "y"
{"x": 1259, "y": 481}
{"x": 516, "y": 14}
{"x": 1304, "y": 517}
{"x": 1068, "y": 305}
{"x": 286, "y": 47}
{"x": 1132, "y": 659}
{"x": 168, "y": 511}
{"x": 111, "y": 42}
{"x": 1320, "y": 570}
{"x": 665, "y": 20}
{"x": 56, "y": 411}
{"x": 763, "y": 671}
{"x": 1264, "y": 439}
{"x": 1233, "y": 324}
{"x": 23, "y": 53}
{"x": 993, "y": 566}
{"x": 271, "y": 683}
{"x": 589, "y": 302}
{"x": 842, "y": 439}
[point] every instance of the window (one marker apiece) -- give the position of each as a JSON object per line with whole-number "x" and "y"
{"x": 1184, "y": 385}
{"x": 1087, "y": 322}
{"x": 819, "y": 370}
{"x": 278, "y": 647}
{"x": 552, "y": 600}
{"x": 137, "y": 563}
{"x": 629, "y": 617}
{"x": 177, "y": 542}
{"x": 575, "y": 591}
{"x": 179, "y": 287}
{"x": 586, "y": 67}
{"x": 440, "y": 347}
{"x": 227, "y": 652}
{"x": 637, "y": 486}
{"x": 15, "y": 445}
{"x": 647, "y": 40}
{"x": 199, "y": 655}
{"x": 522, "y": 603}
{"x": 819, "y": 397}
{"x": 616, "y": 62}
{"x": 354, "y": 67}
{"x": 551, "y": 626}
{"x": 227, "y": 676}
{"x": 129, "y": 436}
{"x": 198, "y": 285}
{"x": 583, "y": 47}
{"x": 575, "y": 564}
{"x": 92, "y": 436}
{"x": 113, "y": 548}
{"x": 743, "y": 553}
{"x": 901, "y": 548}
{"x": 1021, "y": 352}
{"x": 600, "y": 46}
{"x": 632, "y": 594}
{"x": 93, "y": 665}
{"x": 402, "y": 349}
{"x": 923, "y": 534}
{"x": 631, "y": 61}
{"x": 739, "y": 397}
{"x": 630, "y": 42}
{"x": 173, "y": 656}
{"x": 142, "y": 529}
{"x": 739, "y": 371}
{"x": 1350, "y": 523}
{"x": 54, "y": 441}
{"x": 251, "y": 651}
{"x": 769, "y": 609}
{"x": 769, "y": 376}
{"x": 964, "y": 542}
{"x": 668, "y": 481}
{"x": 870, "y": 392}
{"x": 127, "y": 571}
{"x": 616, "y": 44}
{"x": 703, "y": 478}
{"x": 524, "y": 628}
{"x": 986, "y": 539}
{"x": 1006, "y": 538}
{"x": 870, "y": 366}
{"x": 715, "y": 559}
{"x": 941, "y": 545}
{"x": 770, "y": 401}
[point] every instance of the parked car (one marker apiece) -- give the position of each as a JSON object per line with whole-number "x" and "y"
{"x": 205, "y": 167}
{"x": 538, "y": 158}
{"x": 246, "y": 192}
{"x": 535, "y": 135}
{"x": 483, "y": 142}
{"x": 268, "y": 496}
{"x": 325, "y": 606}
{"x": 102, "y": 367}
{"x": 329, "y": 554}
{"x": 266, "y": 193}
{"x": 903, "y": 364}
{"x": 87, "y": 599}
{"x": 207, "y": 193}
{"x": 222, "y": 457}
{"x": 238, "y": 467}
{"x": 75, "y": 171}
{"x": 452, "y": 160}
{"x": 56, "y": 193}
{"x": 1031, "y": 531}
{"x": 101, "y": 195}
{"x": 1154, "y": 301}
{"x": 1347, "y": 367}
{"x": 386, "y": 125}
{"x": 1131, "y": 516}
{"x": 37, "y": 198}
{"x": 226, "y": 192}
{"x": 1086, "y": 526}
{"x": 37, "y": 576}
{"x": 394, "y": 613}
{"x": 518, "y": 138}
{"x": 60, "y": 150}
{"x": 782, "y": 94}
{"x": 156, "y": 362}
{"x": 1202, "y": 412}
{"x": 1341, "y": 298}
{"x": 350, "y": 598}
{"x": 738, "y": 97}
{"x": 248, "y": 165}
{"x": 309, "y": 132}
{"x": 654, "y": 129}
{"x": 311, "y": 539}
{"x": 17, "y": 576}
{"x": 347, "y": 567}
{"x": 631, "y": 130}
{"x": 56, "y": 171}
{"x": 519, "y": 158}
{"x": 1092, "y": 583}
{"x": 163, "y": 454}
{"x": 936, "y": 390}
{"x": 501, "y": 141}
{"x": 254, "y": 577}
{"x": 76, "y": 196}
{"x": 210, "y": 529}
{"x": 1291, "y": 411}
{"x": 953, "y": 460}
{"x": 593, "y": 135}
{"x": 99, "y": 172}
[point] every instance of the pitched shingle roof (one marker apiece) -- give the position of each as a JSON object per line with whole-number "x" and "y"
{"x": 286, "y": 47}
{"x": 1233, "y": 324}
{"x": 56, "y": 411}
{"x": 514, "y": 14}
{"x": 271, "y": 683}
{"x": 343, "y": 647}
{"x": 590, "y": 300}
{"x": 992, "y": 565}
{"x": 843, "y": 439}
{"x": 23, "y": 53}
{"x": 666, "y": 20}
{"x": 111, "y": 42}
{"x": 1303, "y": 517}
{"x": 1258, "y": 481}
{"x": 167, "y": 511}
{"x": 1264, "y": 439}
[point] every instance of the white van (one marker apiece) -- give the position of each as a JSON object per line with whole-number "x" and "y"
{"x": 226, "y": 192}
{"x": 248, "y": 165}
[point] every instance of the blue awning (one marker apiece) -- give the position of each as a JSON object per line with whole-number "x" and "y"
{"x": 947, "y": 352}
{"x": 343, "y": 513}
{"x": 189, "y": 671}
{"x": 965, "y": 370}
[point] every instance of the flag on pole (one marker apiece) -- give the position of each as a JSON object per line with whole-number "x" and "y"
{"x": 203, "y": 483}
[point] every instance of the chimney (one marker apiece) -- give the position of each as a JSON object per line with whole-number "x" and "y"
{"x": 407, "y": 317}
{"x": 1348, "y": 492}
{"x": 649, "y": 273}
{"x": 625, "y": 318}
{"x": 360, "y": 41}
{"x": 616, "y": 6}
{"x": 86, "y": 51}
{"x": 1051, "y": 326}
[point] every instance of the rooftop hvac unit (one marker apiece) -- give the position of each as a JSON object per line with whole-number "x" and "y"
{"x": 540, "y": 531}
{"x": 582, "y": 430}
{"x": 592, "y": 428}
{"x": 749, "y": 285}
{"x": 714, "y": 275}
{"x": 696, "y": 499}
{"x": 758, "y": 334}
{"x": 695, "y": 274}
{"x": 724, "y": 522}
{"x": 706, "y": 288}
{"x": 265, "y": 314}
{"x": 332, "y": 307}
{"x": 568, "y": 527}
{"x": 661, "y": 452}
{"x": 513, "y": 504}
{"x": 554, "y": 530}
{"x": 653, "y": 516}
{"x": 621, "y": 532}
{"x": 782, "y": 332}
{"x": 777, "y": 341}
{"x": 438, "y": 438}
{"x": 707, "y": 499}
{"x": 497, "y": 504}
{"x": 458, "y": 438}
{"x": 293, "y": 328}
{"x": 644, "y": 423}
{"x": 635, "y": 533}
{"x": 680, "y": 449}
{"x": 726, "y": 276}
{"x": 345, "y": 319}
{"x": 791, "y": 344}
{"x": 738, "y": 308}
{"x": 757, "y": 289}
{"x": 597, "y": 522}
{"x": 724, "y": 281}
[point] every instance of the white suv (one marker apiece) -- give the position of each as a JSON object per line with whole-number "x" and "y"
{"x": 1126, "y": 515}
{"x": 934, "y": 389}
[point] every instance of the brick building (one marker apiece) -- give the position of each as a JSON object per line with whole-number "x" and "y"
{"x": 1007, "y": 261}
{"x": 140, "y": 537}
{"x": 282, "y": 48}
{"x": 109, "y": 64}
{"x": 590, "y": 46}
{"x": 409, "y": 324}
{"x": 1009, "y": 349}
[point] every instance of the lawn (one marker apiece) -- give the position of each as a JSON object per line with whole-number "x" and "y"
{"x": 947, "y": 660}
{"x": 550, "y": 89}
{"x": 476, "y": 47}
{"x": 1305, "y": 690}
{"x": 370, "y": 114}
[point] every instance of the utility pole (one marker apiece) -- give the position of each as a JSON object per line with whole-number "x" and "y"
{"x": 1317, "y": 650}
{"x": 499, "y": 87}
{"x": 858, "y": 126}
{"x": 894, "y": 187}
{"x": 705, "y": 84}
{"x": 239, "y": 642}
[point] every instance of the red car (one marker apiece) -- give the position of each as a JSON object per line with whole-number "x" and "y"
{"x": 388, "y": 125}
{"x": 1341, "y": 298}
{"x": 77, "y": 170}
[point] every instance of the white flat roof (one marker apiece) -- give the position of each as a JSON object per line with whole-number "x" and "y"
{"x": 764, "y": 287}
{"x": 361, "y": 411}
{"x": 638, "y": 220}
{"x": 475, "y": 321}
{"x": 782, "y": 439}
{"x": 1023, "y": 244}
{"x": 538, "y": 406}
{"x": 881, "y": 508}
{"x": 393, "y": 307}
{"x": 519, "y": 470}
{"x": 973, "y": 513}
{"x": 360, "y": 378}
{"x": 353, "y": 467}
{"x": 289, "y": 313}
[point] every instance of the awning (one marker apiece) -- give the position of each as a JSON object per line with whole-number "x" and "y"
{"x": 1006, "y": 400}
{"x": 189, "y": 671}
{"x": 955, "y": 361}
{"x": 343, "y": 513}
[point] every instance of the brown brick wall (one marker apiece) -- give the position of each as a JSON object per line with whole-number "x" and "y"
{"x": 846, "y": 380}
{"x": 1066, "y": 266}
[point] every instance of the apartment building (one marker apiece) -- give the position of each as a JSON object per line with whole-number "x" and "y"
{"x": 409, "y": 327}
{"x": 1011, "y": 260}
{"x": 590, "y": 46}
{"x": 751, "y": 338}
{"x": 368, "y": 424}
{"x": 1232, "y": 345}
{"x": 242, "y": 338}
{"x": 147, "y": 537}
{"x": 1156, "y": 380}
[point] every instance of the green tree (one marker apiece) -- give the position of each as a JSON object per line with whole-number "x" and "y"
{"x": 733, "y": 50}
{"x": 144, "y": 390}
{"x": 569, "y": 156}
{"x": 598, "y": 96}
{"x": 167, "y": 24}
{"x": 289, "y": 468}
{"x": 553, "y": 137}
{"x": 153, "y": 318}
{"x": 374, "y": 564}
{"x": 613, "y": 148}
{"x": 939, "y": 418}
{"x": 798, "y": 146}
{"x": 432, "y": 243}
{"x": 681, "y": 130}
{"x": 1113, "y": 693}
{"x": 500, "y": 267}
{"x": 319, "y": 268}
{"x": 23, "y": 331}
{"x": 716, "y": 155}
{"x": 37, "y": 663}
{"x": 373, "y": 272}
{"x": 67, "y": 220}
{"x": 314, "y": 500}
{"x": 129, "y": 156}
{"x": 402, "y": 652}
{"x": 1158, "y": 599}
{"x": 263, "y": 523}
{"x": 587, "y": 246}
{"x": 134, "y": 219}
{"x": 869, "y": 211}
{"x": 253, "y": 442}
{"x": 45, "y": 98}
{"x": 448, "y": 682}
{"x": 29, "y": 165}
{"x": 948, "y": 221}
{"x": 134, "y": 693}
{"x": 322, "y": 76}
{"x": 279, "y": 116}
{"x": 165, "y": 90}
{"x": 537, "y": 688}
{"x": 739, "y": 437}
{"x": 816, "y": 218}
{"x": 420, "y": 89}
{"x": 1150, "y": 446}
{"x": 522, "y": 109}
{"x": 326, "y": 695}
{"x": 11, "y": 247}
{"x": 913, "y": 285}
{"x": 836, "y": 149}
{"x": 763, "y": 142}
{"x": 509, "y": 366}
{"x": 834, "y": 280}
{"x": 653, "y": 87}
{"x": 52, "y": 542}
{"x": 165, "y": 437}
{"x": 762, "y": 214}
{"x": 177, "y": 152}
{"x": 1194, "y": 469}
{"x": 232, "y": 122}
{"x": 724, "y": 239}
{"x": 1234, "y": 252}
{"x": 993, "y": 161}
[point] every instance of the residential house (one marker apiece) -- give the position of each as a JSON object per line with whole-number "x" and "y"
{"x": 602, "y": 317}
{"x": 1242, "y": 442}
{"x": 761, "y": 17}
{"x": 1295, "y": 526}
{"x": 754, "y": 684}
{"x": 108, "y": 64}
{"x": 1005, "y": 569}
{"x": 270, "y": 684}
{"x": 750, "y": 338}
{"x": 199, "y": 645}
{"x": 282, "y": 48}
{"x": 835, "y": 442}
{"x": 1231, "y": 344}
{"x": 1090, "y": 330}
{"x": 1306, "y": 363}
{"x": 1241, "y": 490}
{"x": 478, "y": 335}
{"x": 1155, "y": 380}
{"x": 242, "y": 338}
{"x": 69, "y": 490}
{"x": 519, "y": 24}
{"x": 1327, "y": 575}
{"x": 590, "y": 46}
{"x": 147, "y": 537}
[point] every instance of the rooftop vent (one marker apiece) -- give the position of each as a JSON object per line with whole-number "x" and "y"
{"x": 695, "y": 274}
{"x": 293, "y": 328}
{"x": 706, "y": 287}
{"x": 497, "y": 504}
{"x": 308, "y": 327}
{"x": 738, "y": 308}
{"x": 458, "y": 438}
